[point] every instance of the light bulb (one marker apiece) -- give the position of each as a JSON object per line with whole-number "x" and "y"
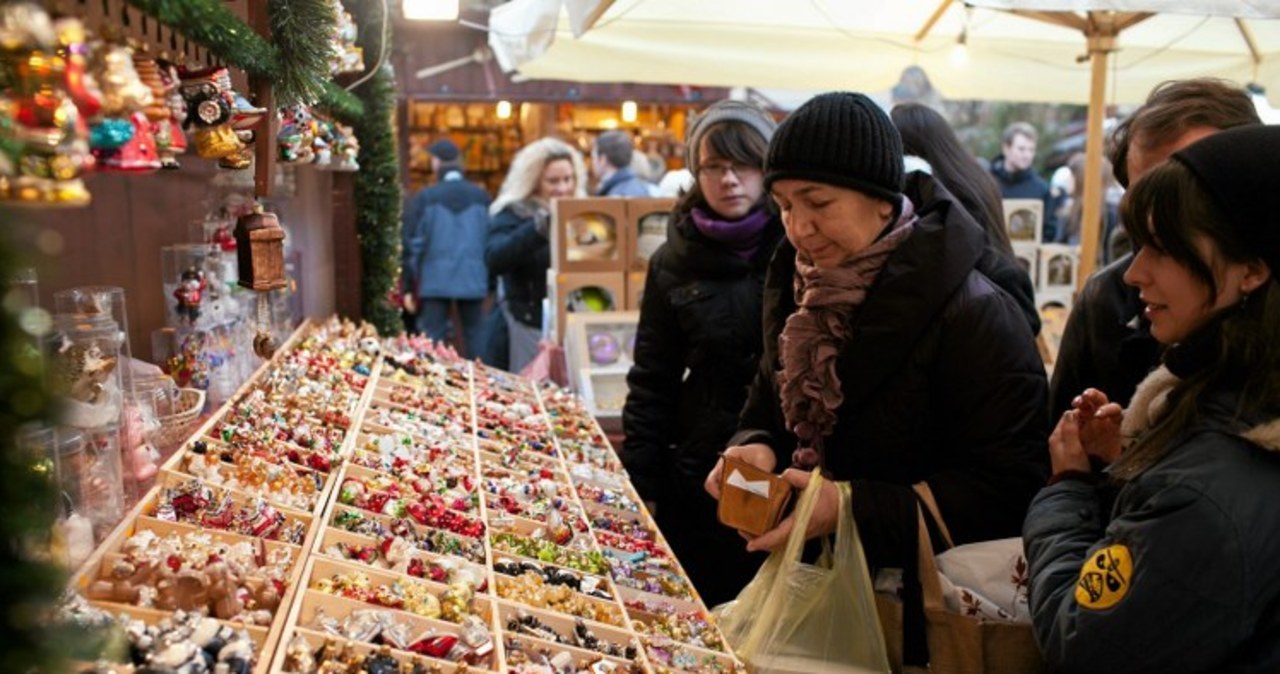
{"x": 629, "y": 111}
{"x": 503, "y": 110}
{"x": 431, "y": 10}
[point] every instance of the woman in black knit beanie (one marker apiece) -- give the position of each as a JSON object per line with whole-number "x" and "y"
{"x": 891, "y": 360}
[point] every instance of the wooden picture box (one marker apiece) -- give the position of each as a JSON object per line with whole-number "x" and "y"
{"x": 598, "y": 348}
{"x": 588, "y": 235}
{"x": 647, "y": 220}
{"x": 1028, "y": 257}
{"x": 1058, "y": 267}
{"x": 583, "y": 292}
{"x": 1024, "y": 220}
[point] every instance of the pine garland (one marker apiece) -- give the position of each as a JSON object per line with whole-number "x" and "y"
{"x": 345, "y": 106}
{"x": 303, "y": 31}
{"x": 292, "y": 67}
{"x": 377, "y": 189}
{"x": 217, "y": 28}
{"x": 28, "y": 588}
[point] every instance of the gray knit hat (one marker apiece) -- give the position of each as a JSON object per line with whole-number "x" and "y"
{"x": 725, "y": 111}
{"x": 839, "y": 138}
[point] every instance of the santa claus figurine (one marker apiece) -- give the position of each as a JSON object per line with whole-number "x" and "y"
{"x": 189, "y": 293}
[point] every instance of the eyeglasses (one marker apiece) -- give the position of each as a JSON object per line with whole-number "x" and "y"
{"x": 718, "y": 171}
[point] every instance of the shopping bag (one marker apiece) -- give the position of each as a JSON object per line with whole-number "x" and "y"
{"x": 795, "y": 617}
{"x": 959, "y": 641}
{"x": 548, "y": 365}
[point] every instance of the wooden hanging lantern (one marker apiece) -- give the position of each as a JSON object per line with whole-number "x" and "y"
{"x": 260, "y": 250}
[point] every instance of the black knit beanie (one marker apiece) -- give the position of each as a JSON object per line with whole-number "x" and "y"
{"x": 1238, "y": 168}
{"x": 839, "y": 138}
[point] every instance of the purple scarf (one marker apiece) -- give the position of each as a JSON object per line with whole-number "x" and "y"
{"x": 742, "y": 237}
{"x": 815, "y": 333}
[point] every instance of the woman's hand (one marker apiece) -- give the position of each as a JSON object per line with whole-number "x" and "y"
{"x": 757, "y": 454}
{"x": 1065, "y": 451}
{"x": 1099, "y": 424}
{"x": 823, "y": 520}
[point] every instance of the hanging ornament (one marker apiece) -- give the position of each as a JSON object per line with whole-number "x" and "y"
{"x": 47, "y": 96}
{"x": 260, "y": 251}
{"x": 170, "y": 82}
{"x": 122, "y": 139}
{"x": 214, "y": 110}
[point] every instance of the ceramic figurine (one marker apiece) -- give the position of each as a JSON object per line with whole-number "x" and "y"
{"x": 123, "y": 139}
{"x": 189, "y": 293}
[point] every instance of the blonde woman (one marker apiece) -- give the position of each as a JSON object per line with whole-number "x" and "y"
{"x": 518, "y": 249}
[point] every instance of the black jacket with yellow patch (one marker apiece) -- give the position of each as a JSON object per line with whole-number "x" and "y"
{"x": 1179, "y": 574}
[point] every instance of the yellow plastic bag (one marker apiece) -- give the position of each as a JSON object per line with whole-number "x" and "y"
{"x": 813, "y": 618}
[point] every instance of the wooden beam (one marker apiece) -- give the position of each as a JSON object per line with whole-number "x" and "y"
{"x": 1128, "y": 20}
{"x": 1091, "y": 222}
{"x": 264, "y": 141}
{"x": 1247, "y": 33}
{"x": 1064, "y": 19}
{"x": 933, "y": 19}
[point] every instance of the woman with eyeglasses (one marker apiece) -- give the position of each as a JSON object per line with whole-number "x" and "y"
{"x": 701, "y": 314}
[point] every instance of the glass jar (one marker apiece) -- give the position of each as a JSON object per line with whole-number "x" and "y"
{"x": 84, "y": 369}
{"x": 89, "y": 472}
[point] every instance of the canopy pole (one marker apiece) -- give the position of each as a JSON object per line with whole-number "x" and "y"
{"x": 1101, "y": 44}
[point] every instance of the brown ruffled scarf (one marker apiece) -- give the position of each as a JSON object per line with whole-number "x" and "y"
{"x": 815, "y": 333}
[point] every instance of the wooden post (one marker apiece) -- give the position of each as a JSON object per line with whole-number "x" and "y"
{"x": 264, "y": 155}
{"x": 1101, "y": 44}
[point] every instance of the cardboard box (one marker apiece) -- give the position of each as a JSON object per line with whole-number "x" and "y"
{"x": 589, "y": 235}
{"x": 583, "y": 292}
{"x": 1024, "y": 220}
{"x": 647, "y": 221}
{"x": 635, "y": 289}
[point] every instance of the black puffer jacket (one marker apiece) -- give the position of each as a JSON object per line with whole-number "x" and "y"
{"x": 942, "y": 384}
{"x": 516, "y": 251}
{"x": 701, "y": 312}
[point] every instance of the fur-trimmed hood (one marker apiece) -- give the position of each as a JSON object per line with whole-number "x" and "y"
{"x": 1152, "y": 396}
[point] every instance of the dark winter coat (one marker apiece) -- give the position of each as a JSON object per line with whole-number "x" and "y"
{"x": 445, "y": 229}
{"x": 700, "y": 313}
{"x": 1107, "y": 343}
{"x": 1180, "y": 574}
{"x": 942, "y": 383}
{"x": 1027, "y": 185}
{"x": 521, "y": 256}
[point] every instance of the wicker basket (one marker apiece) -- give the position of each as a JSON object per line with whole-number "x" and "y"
{"x": 175, "y": 428}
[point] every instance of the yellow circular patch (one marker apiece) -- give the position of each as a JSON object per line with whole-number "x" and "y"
{"x": 1104, "y": 578}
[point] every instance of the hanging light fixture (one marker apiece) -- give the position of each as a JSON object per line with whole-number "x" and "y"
{"x": 431, "y": 10}
{"x": 629, "y": 112}
{"x": 960, "y": 52}
{"x": 503, "y": 110}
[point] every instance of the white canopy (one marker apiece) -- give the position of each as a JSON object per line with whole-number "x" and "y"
{"x": 865, "y": 45}
{"x": 1056, "y": 51}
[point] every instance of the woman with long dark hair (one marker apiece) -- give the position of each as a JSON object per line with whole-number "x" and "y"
{"x": 1176, "y": 571}
{"x": 927, "y": 135}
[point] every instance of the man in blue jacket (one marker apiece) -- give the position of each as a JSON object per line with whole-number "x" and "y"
{"x": 445, "y": 227}
{"x": 1015, "y": 171}
{"x": 611, "y": 162}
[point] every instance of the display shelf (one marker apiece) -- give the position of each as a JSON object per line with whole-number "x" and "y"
{"x": 501, "y": 465}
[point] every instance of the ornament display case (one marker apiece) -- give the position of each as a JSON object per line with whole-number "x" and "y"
{"x": 599, "y": 348}
{"x": 419, "y": 511}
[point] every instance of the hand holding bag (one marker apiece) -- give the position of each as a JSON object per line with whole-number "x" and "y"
{"x": 820, "y": 618}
